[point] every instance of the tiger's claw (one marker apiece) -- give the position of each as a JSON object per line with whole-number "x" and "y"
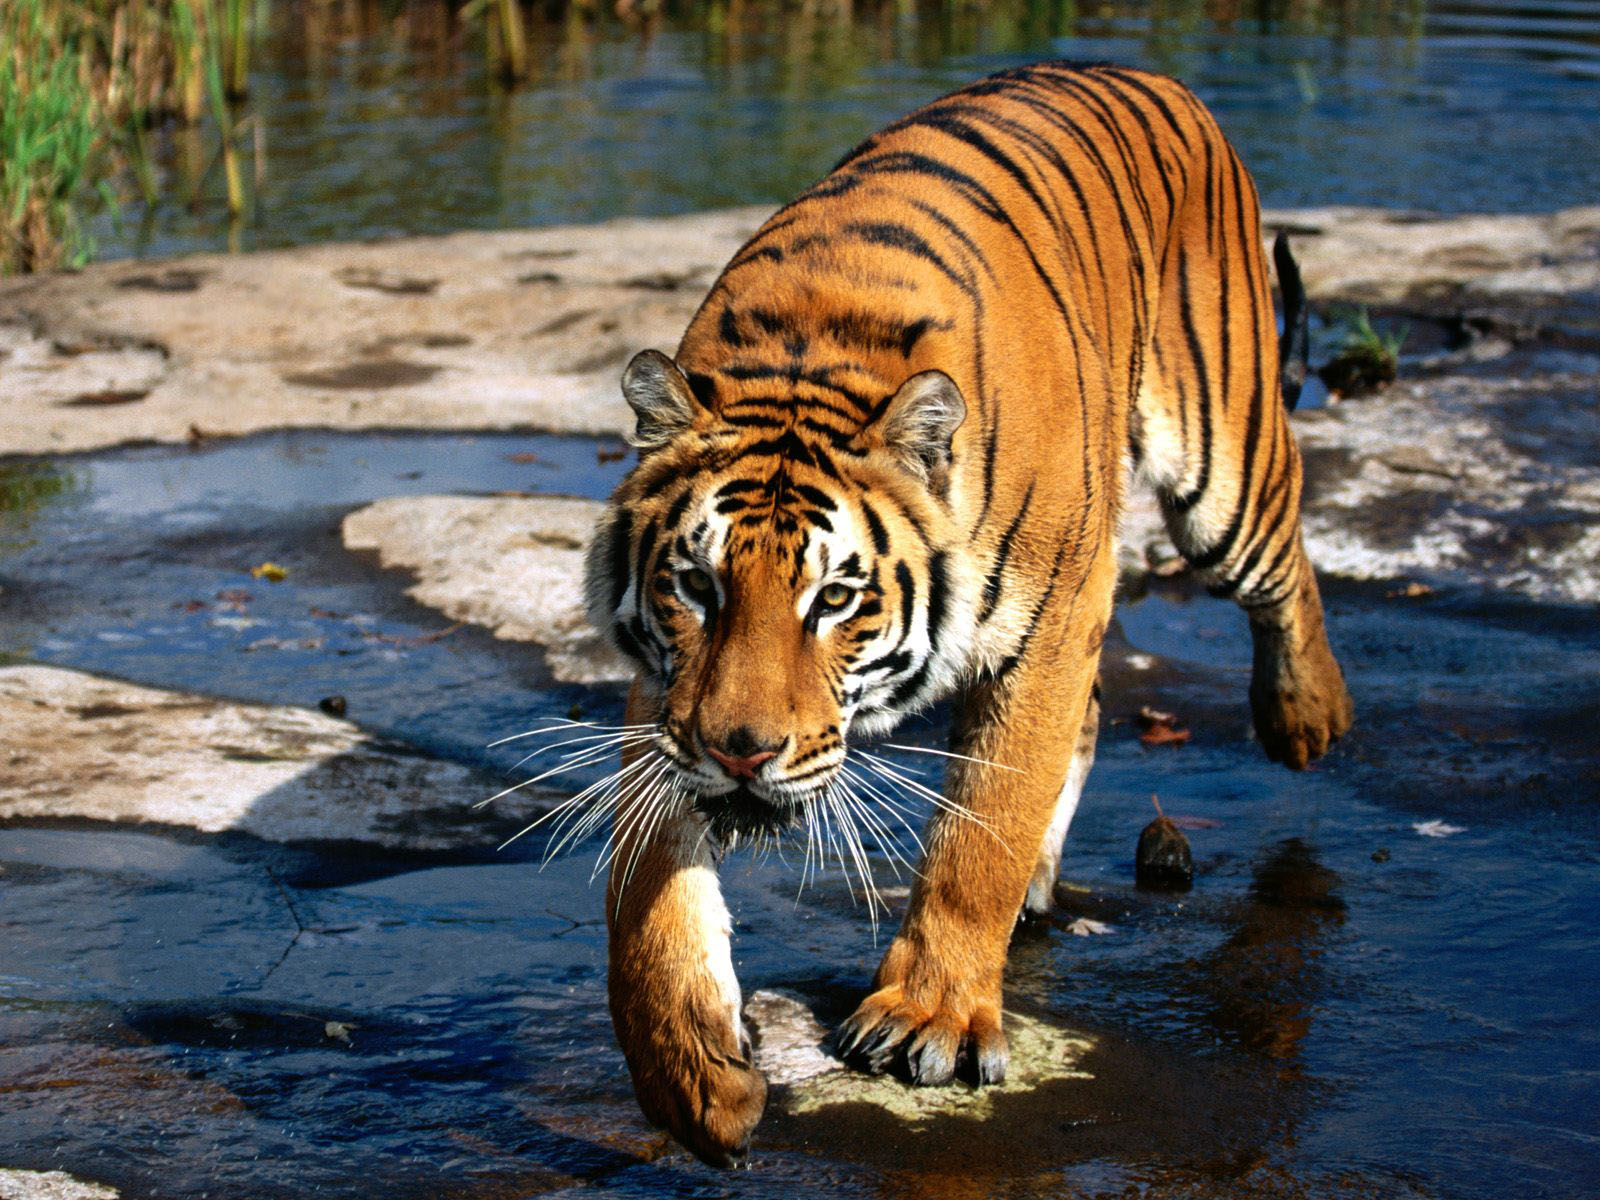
{"x": 932, "y": 1046}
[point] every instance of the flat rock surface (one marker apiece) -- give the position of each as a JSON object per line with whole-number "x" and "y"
{"x": 77, "y": 746}
{"x": 49, "y": 1185}
{"x": 531, "y": 328}
{"x": 513, "y": 564}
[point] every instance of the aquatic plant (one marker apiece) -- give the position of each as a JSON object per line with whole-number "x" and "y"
{"x": 1366, "y": 359}
{"x": 49, "y": 142}
{"x": 24, "y": 489}
{"x": 81, "y": 83}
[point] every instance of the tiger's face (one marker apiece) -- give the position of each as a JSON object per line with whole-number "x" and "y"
{"x": 780, "y": 588}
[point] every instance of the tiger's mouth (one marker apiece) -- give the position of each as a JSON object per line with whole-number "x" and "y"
{"x": 743, "y": 813}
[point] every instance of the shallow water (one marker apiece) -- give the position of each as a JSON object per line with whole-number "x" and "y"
{"x": 1340, "y": 1007}
{"x": 378, "y": 119}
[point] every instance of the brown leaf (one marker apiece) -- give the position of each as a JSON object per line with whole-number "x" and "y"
{"x": 604, "y": 455}
{"x": 1411, "y": 591}
{"x": 1164, "y": 735}
{"x": 524, "y": 456}
{"x": 1160, "y": 728}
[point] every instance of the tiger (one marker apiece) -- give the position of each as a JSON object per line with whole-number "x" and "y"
{"x": 885, "y": 467}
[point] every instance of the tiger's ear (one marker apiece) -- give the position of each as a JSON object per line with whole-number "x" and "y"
{"x": 660, "y": 398}
{"x": 919, "y": 422}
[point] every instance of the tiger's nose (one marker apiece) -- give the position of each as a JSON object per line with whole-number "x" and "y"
{"x": 741, "y": 754}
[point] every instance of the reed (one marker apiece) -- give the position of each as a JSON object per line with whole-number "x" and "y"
{"x": 49, "y": 144}
{"x": 81, "y": 84}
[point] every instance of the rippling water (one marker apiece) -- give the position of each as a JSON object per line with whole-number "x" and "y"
{"x": 1341, "y": 1009}
{"x": 376, "y": 120}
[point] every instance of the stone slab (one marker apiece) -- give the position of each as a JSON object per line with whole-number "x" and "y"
{"x": 79, "y": 746}
{"x": 531, "y": 328}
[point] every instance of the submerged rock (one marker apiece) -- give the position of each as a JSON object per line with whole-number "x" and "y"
{"x": 791, "y": 1051}
{"x": 81, "y": 746}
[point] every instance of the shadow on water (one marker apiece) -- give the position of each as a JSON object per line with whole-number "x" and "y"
{"x": 1340, "y": 1007}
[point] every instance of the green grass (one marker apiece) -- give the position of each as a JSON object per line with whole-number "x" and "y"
{"x": 1366, "y": 360}
{"x": 81, "y": 83}
{"x": 51, "y": 143}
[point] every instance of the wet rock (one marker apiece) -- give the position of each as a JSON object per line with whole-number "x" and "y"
{"x": 77, "y": 746}
{"x": 1163, "y": 862}
{"x": 791, "y": 1051}
{"x": 512, "y": 564}
{"x": 50, "y": 1185}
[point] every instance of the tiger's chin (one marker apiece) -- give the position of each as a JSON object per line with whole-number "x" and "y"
{"x": 742, "y": 814}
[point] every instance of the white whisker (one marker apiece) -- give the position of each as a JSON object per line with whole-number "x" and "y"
{"x": 982, "y": 762}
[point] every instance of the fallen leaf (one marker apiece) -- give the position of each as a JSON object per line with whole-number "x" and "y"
{"x": 1437, "y": 828}
{"x": 525, "y": 456}
{"x": 1085, "y": 927}
{"x": 604, "y": 455}
{"x": 234, "y": 599}
{"x": 1160, "y": 728}
{"x": 190, "y": 606}
{"x": 271, "y": 572}
{"x": 1411, "y": 591}
{"x": 339, "y": 1031}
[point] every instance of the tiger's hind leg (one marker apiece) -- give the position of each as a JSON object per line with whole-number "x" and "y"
{"x": 1041, "y": 888}
{"x": 1213, "y": 436}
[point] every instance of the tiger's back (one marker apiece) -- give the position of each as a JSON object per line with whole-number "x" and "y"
{"x": 1079, "y": 248}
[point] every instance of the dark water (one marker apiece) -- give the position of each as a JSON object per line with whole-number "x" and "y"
{"x": 378, "y": 119}
{"x": 1341, "y": 1006}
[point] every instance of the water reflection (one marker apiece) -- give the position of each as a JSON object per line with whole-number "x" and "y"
{"x": 375, "y": 118}
{"x": 1264, "y": 981}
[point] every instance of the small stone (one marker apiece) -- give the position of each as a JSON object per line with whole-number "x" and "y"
{"x": 334, "y": 706}
{"x": 1163, "y": 862}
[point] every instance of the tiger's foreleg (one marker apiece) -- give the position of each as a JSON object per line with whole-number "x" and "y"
{"x": 937, "y": 994}
{"x": 674, "y": 998}
{"x": 1041, "y": 888}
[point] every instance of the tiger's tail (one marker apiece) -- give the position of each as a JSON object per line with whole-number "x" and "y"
{"x": 1294, "y": 341}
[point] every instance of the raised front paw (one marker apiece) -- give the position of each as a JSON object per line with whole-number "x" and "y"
{"x": 709, "y": 1101}
{"x": 1300, "y": 704}
{"x": 932, "y": 1039}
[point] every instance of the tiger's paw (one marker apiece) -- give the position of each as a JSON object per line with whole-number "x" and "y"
{"x": 710, "y": 1102}
{"x": 931, "y": 1042}
{"x": 1300, "y": 702}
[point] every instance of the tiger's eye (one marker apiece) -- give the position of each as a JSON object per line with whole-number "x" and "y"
{"x": 834, "y": 597}
{"x": 697, "y": 583}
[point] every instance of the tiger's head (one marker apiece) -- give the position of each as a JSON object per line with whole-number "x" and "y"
{"x": 783, "y": 576}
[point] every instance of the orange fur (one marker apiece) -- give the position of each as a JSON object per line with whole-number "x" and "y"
{"x": 918, "y": 387}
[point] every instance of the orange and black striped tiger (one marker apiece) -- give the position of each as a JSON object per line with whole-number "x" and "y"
{"x": 886, "y": 467}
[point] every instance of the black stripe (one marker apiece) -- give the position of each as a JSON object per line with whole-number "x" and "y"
{"x": 991, "y": 588}
{"x": 880, "y": 535}
{"x": 621, "y": 527}
{"x": 1191, "y": 336}
{"x": 896, "y": 236}
{"x": 675, "y": 513}
{"x": 908, "y": 594}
